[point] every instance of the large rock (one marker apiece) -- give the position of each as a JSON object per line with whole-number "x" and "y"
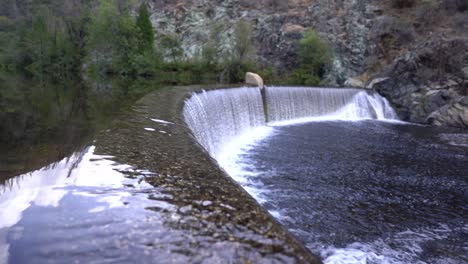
{"x": 455, "y": 114}
{"x": 354, "y": 83}
{"x": 427, "y": 83}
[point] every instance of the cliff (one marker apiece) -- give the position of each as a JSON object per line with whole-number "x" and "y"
{"x": 412, "y": 52}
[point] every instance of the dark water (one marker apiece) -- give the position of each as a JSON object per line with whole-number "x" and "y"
{"x": 367, "y": 192}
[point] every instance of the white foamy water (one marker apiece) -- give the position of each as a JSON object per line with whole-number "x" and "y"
{"x": 230, "y": 122}
{"x": 219, "y": 118}
{"x": 403, "y": 247}
{"x": 289, "y": 105}
{"x": 232, "y": 161}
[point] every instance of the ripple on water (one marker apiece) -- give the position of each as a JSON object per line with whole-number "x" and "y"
{"x": 363, "y": 192}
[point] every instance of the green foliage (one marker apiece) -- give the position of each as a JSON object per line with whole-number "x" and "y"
{"x": 117, "y": 44}
{"x": 101, "y": 42}
{"x": 171, "y": 47}
{"x": 243, "y": 43}
{"x": 102, "y": 37}
{"x": 240, "y": 57}
{"x": 212, "y": 51}
{"x": 302, "y": 76}
{"x": 314, "y": 52}
{"x": 5, "y": 23}
{"x": 48, "y": 45}
{"x": 143, "y": 23}
{"x": 315, "y": 55}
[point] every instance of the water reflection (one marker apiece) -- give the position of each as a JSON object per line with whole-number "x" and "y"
{"x": 100, "y": 182}
{"x": 44, "y": 121}
{"x": 46, "y": 130}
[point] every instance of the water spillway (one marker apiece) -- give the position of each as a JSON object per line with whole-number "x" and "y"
{"x": 292, "y": 103}
{"x": 221, "y": 115}
{"x": 354, "y": 192}
{"x": 217, "y": 117}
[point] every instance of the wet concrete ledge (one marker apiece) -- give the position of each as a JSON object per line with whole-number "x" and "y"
{"x": 215, "y": 220}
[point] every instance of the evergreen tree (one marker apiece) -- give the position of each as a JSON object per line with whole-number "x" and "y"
{"x": 146, "y": 29}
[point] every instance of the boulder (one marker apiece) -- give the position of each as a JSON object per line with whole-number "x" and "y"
{"x": 454, "y": 115}
{"x": 376, "y": 81}
{"x": 354, "y": 83}
{"x": 254, "y": 79}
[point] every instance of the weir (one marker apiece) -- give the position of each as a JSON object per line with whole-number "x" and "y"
{"x": 219, "y": 116}
{"x": 291, "y": 103}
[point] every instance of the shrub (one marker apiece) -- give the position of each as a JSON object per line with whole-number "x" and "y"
{"x": 315, "y": 55}
{"x": 243, "y": 44}
{"x": 171, "y": 47}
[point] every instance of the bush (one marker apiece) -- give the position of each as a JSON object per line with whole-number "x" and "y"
{"x": 303, "y": 76}
{"x": 315, "y": 55}
{"x": 244, "y": 48}
{"x": 172, "y": 47}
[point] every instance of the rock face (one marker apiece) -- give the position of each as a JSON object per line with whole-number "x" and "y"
{"x": 278, "y": 25}
{"x": 428, "y": 85}
{"x": 415, "y": 56}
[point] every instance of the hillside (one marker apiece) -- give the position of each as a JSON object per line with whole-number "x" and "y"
{"x": 415, "y": 54}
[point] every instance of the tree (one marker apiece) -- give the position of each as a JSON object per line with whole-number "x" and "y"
{"x": 212, "y": 50}
{"x": 314, "y": 52}
{"x": 315, "y": 55}
{"x": 241, "y": 55}
{"x": 146, "y": 29}
{"x": 101, "y": 32}
{"x": 113, "y": 40}
{"x": 172, "y": 47}
{"x": 243, "y": 43}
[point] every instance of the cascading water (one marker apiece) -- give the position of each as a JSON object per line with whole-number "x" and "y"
{"x": 290, "y": 103}
{"x": 354, "y": 192}
{"x": 218, "y": 117}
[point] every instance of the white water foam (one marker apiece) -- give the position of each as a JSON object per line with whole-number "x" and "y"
{"x": 292, "y": 105}
{"x": 219, "y": 117}
{"x": 403, "y": 247}
{"x": 232, "y": 161}
{"x": 230, "y": 122}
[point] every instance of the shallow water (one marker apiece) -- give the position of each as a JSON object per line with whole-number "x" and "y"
{"x": 364, "y": 192}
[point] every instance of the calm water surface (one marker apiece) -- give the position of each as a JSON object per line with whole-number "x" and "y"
{"x": 54, "y": 187}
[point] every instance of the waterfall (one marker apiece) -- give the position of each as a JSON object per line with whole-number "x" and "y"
{"x": 218, "y": 117}
{"x": 292, "y": 103}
